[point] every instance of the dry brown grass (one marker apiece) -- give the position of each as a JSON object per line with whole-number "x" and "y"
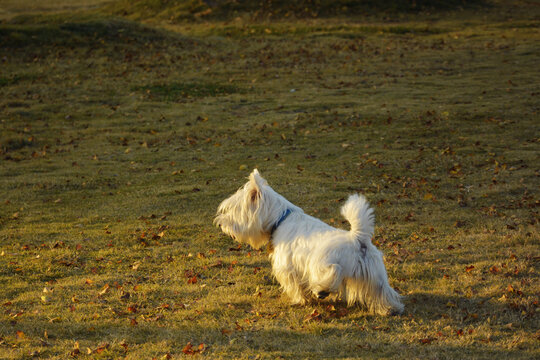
{"x": 118, "y": 142}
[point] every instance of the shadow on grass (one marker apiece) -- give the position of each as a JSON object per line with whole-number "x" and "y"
{"x": 171, "y": 336}
{"x": 79, "y": 32}
{"x": 460, "y": 308}
{"x": 178, "y": 91}
{"x": 270, "y": 10}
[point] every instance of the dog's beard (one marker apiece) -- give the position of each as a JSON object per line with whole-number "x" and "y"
{"x": 249, "y": 215}
{"x": 239, "y": 219}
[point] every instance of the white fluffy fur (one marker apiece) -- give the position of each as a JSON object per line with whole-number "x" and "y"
{"x": 309, "y": 257}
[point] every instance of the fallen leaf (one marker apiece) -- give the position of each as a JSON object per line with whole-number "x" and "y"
{"x": 76, "y": 351}
{"x": 104, "y": 290}
{"x": 459, "y": 224}
{"x": 427, "y": 341}
{"x": 190, "y": 350}
{"x": 237, "y": 248}
{"x": 410, "y": 216}
{"x": 102, "y": 348}
{"x": 314, "y": 316}
{"x": 124, "y": 344}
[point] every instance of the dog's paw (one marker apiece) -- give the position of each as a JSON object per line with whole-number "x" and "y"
{"x": 322, "y": 295}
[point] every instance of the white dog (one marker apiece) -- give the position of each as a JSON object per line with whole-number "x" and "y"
{"x": 309, "y": 257}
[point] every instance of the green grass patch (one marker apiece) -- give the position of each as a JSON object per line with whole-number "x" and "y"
{"x": 8, "y": 144}
{"x": 196, "y": 10}
{"x": 76, "y": 30}
{"x": 178, "y": 91}
{"x": 345, "y": 31}
{"x": 17, "y": 78}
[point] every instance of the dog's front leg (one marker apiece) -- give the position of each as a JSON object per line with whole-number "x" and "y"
{"x": 291, "y": 286}
{"x": 325, "y": 280}
{"x": 288, "y": 278}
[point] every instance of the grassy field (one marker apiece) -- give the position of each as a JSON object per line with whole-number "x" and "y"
{"x": 119, "y": 138}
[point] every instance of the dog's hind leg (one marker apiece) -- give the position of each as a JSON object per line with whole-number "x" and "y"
{"x": 370, "y": 286}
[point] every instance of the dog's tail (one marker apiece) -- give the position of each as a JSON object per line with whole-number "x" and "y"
{"x": 361, "y": 217}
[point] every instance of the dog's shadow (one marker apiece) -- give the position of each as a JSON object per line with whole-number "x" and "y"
{"x": 461, "y": 308}
{"x": 446, "y": 316}
{"x": 457, "y": 310}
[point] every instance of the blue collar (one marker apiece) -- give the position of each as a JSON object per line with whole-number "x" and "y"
{"x": 280, "y": 220}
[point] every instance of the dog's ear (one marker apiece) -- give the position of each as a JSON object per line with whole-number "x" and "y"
{"x": 256, "y": 179}
{"x": 254, "y": 195}
{"x": 256, "y": 182}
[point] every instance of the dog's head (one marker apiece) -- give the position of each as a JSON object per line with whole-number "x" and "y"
{"x": 248, "y": 215}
